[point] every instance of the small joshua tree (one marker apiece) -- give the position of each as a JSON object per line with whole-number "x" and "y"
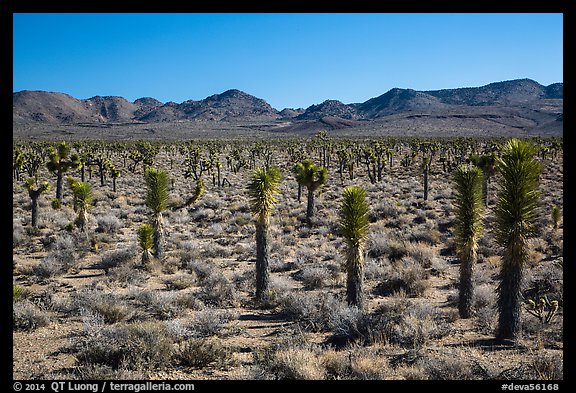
{"x": 146, "y": 242}
{"x": 34, "y": 195}
{"x": 157, "y": 201}
{"x": 82, "y": 194}
{"x": 354, "y": 229}
{"x": 556, "y": 215}
{"x": 309, "y": 175}
{"x": 198, "y": 191}
{"x": 468, "y": 229}
{"x": 262, "y": 190}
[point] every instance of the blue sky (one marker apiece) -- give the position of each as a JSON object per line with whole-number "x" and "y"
{"x": 290, "y": 60}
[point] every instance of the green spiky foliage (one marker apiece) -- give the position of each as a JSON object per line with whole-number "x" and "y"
{"x": 82, "y": 199}
{"x": 486, "y": 162}
{"x": 60, "y": 162}
{"x": 262, "y": 190}
{"x": 157, "y": 200}
{"x": 515, "y": 222}
{"x": 34, "y": 195}
{"x": 354, "y": 230}
{"x": 146, "y": 242}
{"x": 198, "y": 192}
{"x": 313, "y": 178}
{"x": 556, "y": 215}
{"x": 469, "y": 208}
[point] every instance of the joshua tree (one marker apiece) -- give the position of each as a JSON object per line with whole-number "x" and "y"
{"x": 82, "y": 193}
{"x": 34, "y": 195}
{"x": 262, "y": 190}
{"x": 487, "y": 163}
{"x": 556, "y": 215}
{"x": 60, "y": 162}
{"x": 515, "y": 221}
{"x": 157, "y": 201}
{"x": 354, "y": 229}
{"x": 115, "y": 173}
{"x": 146, "y": 242}
{"x": 309, "y": 175}
{"x": 469, "y": 205}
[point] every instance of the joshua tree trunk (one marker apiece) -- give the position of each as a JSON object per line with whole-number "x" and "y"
{"x": 299, "y": 193}
{"x": 509, "y": 297}
{"x": 262, "y": 267}
{"x": 59, "y": 185}
{"x": 355, "y": 279}
{"x": 425, "y": 185}
{"x": 158, "y": 236}
{"x": 35, "y": 210}
{"x": 310, "y": 207}
{"x": 466, "y": 289}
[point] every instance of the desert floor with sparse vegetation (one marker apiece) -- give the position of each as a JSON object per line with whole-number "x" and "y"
{"x": 85, "y": 308}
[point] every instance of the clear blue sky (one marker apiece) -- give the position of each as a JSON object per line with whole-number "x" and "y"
{"x": 290, "y": 60}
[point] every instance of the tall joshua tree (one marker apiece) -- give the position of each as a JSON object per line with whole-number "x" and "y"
{"x": 34, "y": 195}
{"x": 515, "y": 222}
{"x": 354, "y": 229}
{"x": 313, "y": 177}
{"x": 60, "y": 162}
{"x": 262, "y": 190}
{"x": 469, "y": 207}
{"x": 157, "y": 201}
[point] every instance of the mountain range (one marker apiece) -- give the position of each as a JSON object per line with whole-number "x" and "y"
{"x": 523, "y": 102}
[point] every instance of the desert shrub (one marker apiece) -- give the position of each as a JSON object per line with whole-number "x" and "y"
{"x": 288, "y": 363}
{"x": 315, "y": 312}
{"x": 18, "y": 233}
{"x": 314, "y": 277}
{"x": 215, "y": 250}
{"x": 484, "y": 306}
{"x": 448, "y": 368}
{"x": 114, "y": 258}
{"x": 162, "y": 305}
{"x": 28, "y": 316}
{"x": 217, "y": 290}
{"x": 19, "y": 293}
{"x": 370, "y": 367}
{"x": 375, "y": 269}
{"x": 211, "y": 322}
{"x": 61, "y": 257}
{"x": 49, "y": 266}
{"x": 407, "y": 276}
{"x": 102, "y": 372}
{"x": 108, "y": 224}
{"x": 199, "y": 353}
{"x": 546, "y": 279}
{"x": 127, "y": 274}
{"x": 547, "y": 366}
{"x": 201, "y": 269}
{"x": 410, "y": 325}
{"x": 179, "y": 281}
{"x": 138, "y": 346}
{"x": 423, "y": 253}
{"x": 112, "y": 307}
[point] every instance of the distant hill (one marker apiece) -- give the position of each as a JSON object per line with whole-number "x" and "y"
{"x": 521, "y": 104}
